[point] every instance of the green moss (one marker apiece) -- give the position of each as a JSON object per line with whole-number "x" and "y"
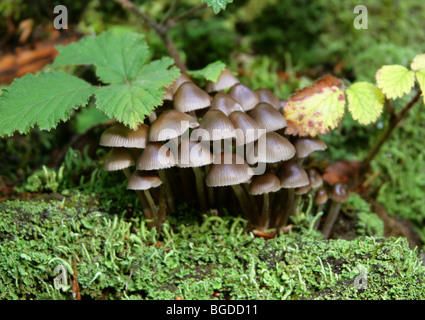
{"x": 118, "y": 258}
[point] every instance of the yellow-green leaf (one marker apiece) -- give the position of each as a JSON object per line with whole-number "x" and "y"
{"x": 418, "y": 65}
{"x": 395, "y": 80}
{"x": 365, "y": 102}
{"x": 316, "y": 109}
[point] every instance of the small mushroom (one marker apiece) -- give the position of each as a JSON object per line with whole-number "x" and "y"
{"x": 189, "y": 97}
{"x": 247, "y": 129}
{"x": 118, "y": 159}
{"x": 242, "y": 94}
{"x": 268, "y": 117}
{"x": 215, "y": 125}
{"x": 307, "y": 145}
{"x": 266, "y": 95}
{"x": 339, "y": 194}
{"x": 320, "y": 199}
{"x": 121, "y": 136}
{"x": 273, "y": 149}
{"x": 171, "y": 124}
{"x": 222, "y": 101}
{"x": 225, "y": 80}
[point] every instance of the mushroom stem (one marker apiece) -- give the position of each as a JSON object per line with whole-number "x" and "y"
{"x": 162, "y": 214}
{"x": 330, "y": 219}
{"x": 168, "y": 190}
{"x": 200, "y": 188}
{"x": 244, "y": 201}
{"x": 265, "y": 212}
{"x": 147, "y": 208}
{"x": 288, "y": 209}
{"x": 153, "y": 208}
{"x": 210, "y": 189}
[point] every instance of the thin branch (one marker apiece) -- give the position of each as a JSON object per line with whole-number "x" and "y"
{"x": 188, "y": 13}
{"x": 126, "y": 4}
{"x": 169, "y": 13}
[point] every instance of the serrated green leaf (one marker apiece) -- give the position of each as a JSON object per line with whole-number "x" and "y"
{"x": 418, "y": 62}
{"x": 217, "y": 5}
{"x": 117, "y": 58}
{"x": 395, "y": 80}
{"x": 365, "y": 102}
{"x": 131, "y": 102}
{"x": 211, "y": 72}
{"x": 316, "y": 109}
{"x": 41, "y": 100}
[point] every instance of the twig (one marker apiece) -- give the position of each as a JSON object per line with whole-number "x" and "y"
{"x": 188, "y": 13}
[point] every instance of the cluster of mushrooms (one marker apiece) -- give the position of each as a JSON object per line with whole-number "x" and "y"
{"x": 221, "y": 148}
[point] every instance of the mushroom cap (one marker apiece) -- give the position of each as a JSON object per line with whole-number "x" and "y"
{"x": 303, "y": 190}
{"x": 120, "y": 136}
{"x": 143, "y": 180}
{"x": 246, "y": 97}
{"x": 266, "y": 95}
{"x": 171, "y": 124}
{"x": 292, "y": 175}
{"x": 307, "y": 145}
{"x": 321, "y": 196}
{"x": 118, "y": 159}
{"x": 179, "y": 81}
{"x": 249, "y": 129}
{"x": 277, "y": 148}
{"x": 215, "y": 125}
{"x": 193, "y": 154}
{"x": 222, "y": 101}
{"x": 339, "y": 193}
{"x": 268, "y": 117}
{"x": 315, "y": 178}
{"x": 265, "y": 183}
{"x": 225, "y": 80}
{"x": 229, "y": 169}
{"x": 156, "y": 156}
{"x": 190, "y": 97}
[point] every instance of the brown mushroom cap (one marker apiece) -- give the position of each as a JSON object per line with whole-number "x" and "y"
{"x": 215, "y": 125}
{"x": 190, "y": 97}
{"x": 171, "y": 124}
{"x": 249, "y": 129}
{"x": 242, "y": 94}
{"x": 321, "y": 196}
{"x": 307, "y": 145}
{"x": 315, "y": 178}
{"x": 266, "y": 95}
{"x": 292, "y": 175}
{"x": 222, "y": 101}
{"x": 277, "y": 148}
{"x": 229, "y": 169}
{"x": 143, "y": 180}
{"x": 265, "y": 183}
{"x": 340, "y": 192}
{"x": 118, "y": 159}
{"x": 120, "y": 136}
{"x": 303, "y": 190}
{"x": 225, "y": 80}
{"x": 193, "y": 154}
{"x": 268, "y": 117}
{"x": 156, "y": 156}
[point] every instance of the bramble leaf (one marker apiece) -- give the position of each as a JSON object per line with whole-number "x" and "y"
{"x": 217, "y": 5}
{"x": 211, "y": 72}
{"x": 395, "y": 80}
{"x": 418, "y": 65}
{"x": 316, "y": 109}
{"x": 41, "y": 100}
{"x": 365, "y": 102}
{"x": 117, "y": 58}
{"x": 131, "y": 102}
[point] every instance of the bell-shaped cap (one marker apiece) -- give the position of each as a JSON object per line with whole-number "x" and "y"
{"x": 215, "y": 125}
{"x": 247, "y": 129}
{"x": 222, "y": 101}
{"x": 340, "y": 192}
{"x": 307, "y": 145}
{"x": 273, "y": 148}
{"x": 228, "y": 169}
{"x": 143, "y": 180}
{"x": 266, "y": 95}
{"x": 315, "y": 178}
{"x": 171, "y": 124}
{"x": 292, "y": 175}
{"x": 193, "y": 154}
{"x": 225, "y": 80}
{"x": 118, "y": 159}
{"x": 190, "y": 97}
{"x": 246, "y": 97}
{"x": 321, "y": 196}
{"x": 268, "y": 117}
{"x": 156, "y": 156}
{"x": 120, "y": 136}
{"x": 265, "y": 183}
{"x": 303, "y": 190}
